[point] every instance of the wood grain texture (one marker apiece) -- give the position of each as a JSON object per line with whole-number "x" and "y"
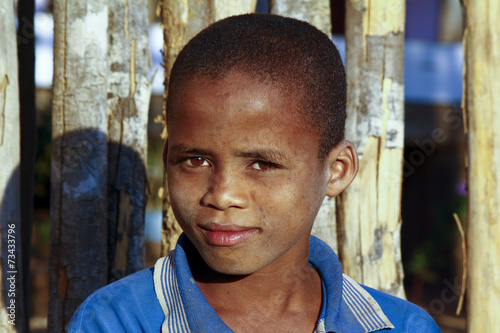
{"x": 481, "y": 105}
{"x": 316, "y": 12}
{"x": 369, "y": 210}
{"x": 99, "y": 148}
{"x": 128, "y": 95}
{"x": 10, "y": 205}
{"x": 79, "y": 157}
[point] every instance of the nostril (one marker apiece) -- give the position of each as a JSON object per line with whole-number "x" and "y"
{"x": 204, "y": 202}
{"x": 224, "y": 194}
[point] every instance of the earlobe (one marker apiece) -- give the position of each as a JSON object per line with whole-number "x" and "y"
{"x": 343, "y": 166}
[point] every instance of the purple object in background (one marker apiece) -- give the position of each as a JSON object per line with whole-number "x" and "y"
{"x": 433, "y": 72}
{"x": 461, "y": 188}
{"x": 422, "y": 19}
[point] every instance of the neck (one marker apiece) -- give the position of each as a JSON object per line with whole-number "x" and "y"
{"x": 284, "y": 285}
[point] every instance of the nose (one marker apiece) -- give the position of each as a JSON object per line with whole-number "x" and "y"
{"x": 225, "y": 191}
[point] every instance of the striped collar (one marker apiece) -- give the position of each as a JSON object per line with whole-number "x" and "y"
{"x": 349, "y": 307}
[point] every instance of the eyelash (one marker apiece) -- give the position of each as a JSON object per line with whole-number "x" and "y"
{"x": 268, "y": 165}
{"x": 263, "y": 165}
{"x": 189, "y": 160}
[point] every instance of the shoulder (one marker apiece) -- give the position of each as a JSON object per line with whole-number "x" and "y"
{"x": 404, "y": 315}
{"x": 127, "y": 305}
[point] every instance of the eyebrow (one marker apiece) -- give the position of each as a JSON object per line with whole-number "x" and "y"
{"x": 183, "y": 149}
{"x": 264, "y": 154}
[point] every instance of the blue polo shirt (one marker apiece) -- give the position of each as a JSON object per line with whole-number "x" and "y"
{"x": 166, "y": 298}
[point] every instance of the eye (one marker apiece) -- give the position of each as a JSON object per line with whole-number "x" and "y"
{"x": 263, "y": 165}
{"x": 196, "y": 162}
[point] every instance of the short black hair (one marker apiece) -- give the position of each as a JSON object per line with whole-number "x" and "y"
{"x": 293, "y": 54}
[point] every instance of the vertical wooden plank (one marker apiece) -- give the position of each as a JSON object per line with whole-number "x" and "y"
{"x": 224, "y": 8}
{"x": 10, "y": 205}
{"x": 369, "y": 210}
{"x": 481, "y": 105}
{"x": 79, "y": 157}
{"x": 316, "y": 13}
{"x": 181, "y": 20}
{"x": 129, "y": 92}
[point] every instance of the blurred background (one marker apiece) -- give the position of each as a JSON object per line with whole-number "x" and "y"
{"x": 434, "y": 171}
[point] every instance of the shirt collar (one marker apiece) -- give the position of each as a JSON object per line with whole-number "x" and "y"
{"x": 349, "y": 308}
{"x": 200, "y": 314}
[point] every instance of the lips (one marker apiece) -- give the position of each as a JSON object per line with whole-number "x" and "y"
{"x": 227, "y": 235}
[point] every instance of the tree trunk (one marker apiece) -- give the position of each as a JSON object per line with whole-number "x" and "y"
{"x": 481, "y": 105}
{"x": 129, "y": 92}
{"x": 369, "y": 210}
{"x": 11, "y": 307}
{"x": 181, "y": 21}
{"x": 79, "y": 157}
{"x": 318, "y": 14}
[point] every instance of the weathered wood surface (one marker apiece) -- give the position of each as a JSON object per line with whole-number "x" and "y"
{"x": 10, "y": 206}
{"x": 369, "y": 210}
{"x": 181, "y": 20}
{"x": 79, "y": 157}
{"x": 316, "y": 12}
{"x": 100, "y": 111}
{"x": 129, "y": 92}
{"x": 481, "y": 105}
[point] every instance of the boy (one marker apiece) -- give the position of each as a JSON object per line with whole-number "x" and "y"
{"x": 255, "y": 117}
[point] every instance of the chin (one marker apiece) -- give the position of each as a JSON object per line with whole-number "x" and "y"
{"x": 231, "y": 266}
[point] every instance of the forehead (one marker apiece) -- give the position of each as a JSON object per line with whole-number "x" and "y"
{"x": 247, "y": 91}
{"x": 238, "y": 106}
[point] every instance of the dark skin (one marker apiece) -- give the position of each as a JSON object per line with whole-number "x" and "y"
{"x": 260, "y": 303}
{"x": 246, "y": 184}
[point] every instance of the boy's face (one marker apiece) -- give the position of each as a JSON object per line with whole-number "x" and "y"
{"x": 244, "y": 177}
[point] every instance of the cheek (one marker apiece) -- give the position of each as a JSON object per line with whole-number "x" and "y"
{"x": 182, "y": 199}
{"x": 290, "y": 208}
{"x": 306, "y": 198}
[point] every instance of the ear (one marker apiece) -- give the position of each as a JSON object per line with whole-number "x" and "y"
{"x": 343, "y": 166}
{"x": 165, "y": 152}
